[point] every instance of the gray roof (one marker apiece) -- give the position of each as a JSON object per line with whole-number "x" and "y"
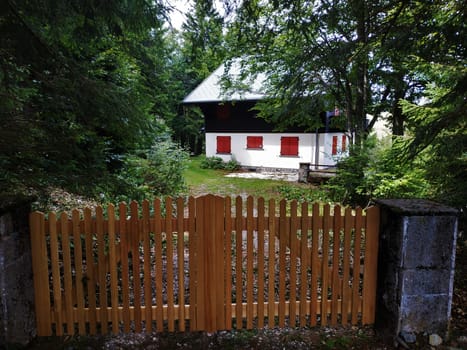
{"x": 210, "y": 90}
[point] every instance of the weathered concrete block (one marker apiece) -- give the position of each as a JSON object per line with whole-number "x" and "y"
{"x": 428, "y": 242}
{"x": 425, "y": 281}
{"x": 17, "y": 321}
{"x": 415, "y": 267}
{"x": 424, "y": 313}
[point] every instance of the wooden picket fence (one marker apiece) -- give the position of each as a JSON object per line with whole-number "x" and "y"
{"x": 207, "y": 263}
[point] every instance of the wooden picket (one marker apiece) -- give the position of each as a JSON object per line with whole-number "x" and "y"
{"x": 207, "y": 263}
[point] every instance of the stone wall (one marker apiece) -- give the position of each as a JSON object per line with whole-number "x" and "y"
{"x": 17, "y": 323}
{"x": 416, "y": 268}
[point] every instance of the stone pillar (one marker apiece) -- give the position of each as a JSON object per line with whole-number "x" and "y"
{"x": 303, "y": 172}
{"x": 415, "y": 268}
{"x": 17, "y": 321}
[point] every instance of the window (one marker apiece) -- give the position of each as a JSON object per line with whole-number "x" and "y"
{"x": 344, "y": 143}
{"x": 254, "y": 142}
{"x": 223, "y": 144}
{"x": 289, "y": 146}
{"x": 334, "y": 145}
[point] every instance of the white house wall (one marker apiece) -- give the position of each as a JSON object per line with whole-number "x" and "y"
{"x": 269, "y": 156}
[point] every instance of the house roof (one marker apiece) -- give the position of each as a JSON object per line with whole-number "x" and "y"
{"x": 210, "y": 90}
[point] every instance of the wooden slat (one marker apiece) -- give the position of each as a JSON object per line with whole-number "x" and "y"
{"x": 336, "y": 293}
{"x": 170, "y": 264}
{"x": 147, "y": 265}
{"x": 67, "y": 278}
{"x": 181, "y": 263}
{"x": 314, "y": 264}
{"x": 284, "y": 232}
{"x": 356, "y": 266}
{"x": 136, "y": 267}
{"x": 78, "y": 266}
{"x": 40, "y": 274}
{"x": 238, "y": 263}
{"x": 209, "y": 262}
{"x": 250, "y": 264}
{"x": 113, "y": 268}
{"x": 346, "y": 292}
{"x": 325, "y": 265}
{"x": 192, "y": 260}
{"x": 228, "y": 262}
{"x": 102, "y": 273}
{"x": 55, "y": 263}
{"x": 271, "y": 261}
{"x": 260, "y": 262}
{"x": 158, "y": 252}
{"x": 304, "y": 283}
{"x": 218, "y": 276}
{"x": 200, "y": 272}
{"x": 371, "y": 263}
{"x": 294, "y": 243}
{"x": 90, "y": 270}
{"x": 124, "y": 249}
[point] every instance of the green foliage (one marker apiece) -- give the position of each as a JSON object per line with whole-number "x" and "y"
{"x": 376, "y": 171}
{"x": 301, "y": 194}
{"x": 81, "y": 86}
{"x": 320, "y": 56}
{"x": 218, "y": 163}
{"x": 211, "y": 163}
{"x": 156, "y": 172}
{"x": 232, "y": 165}
{"x": 200, "y": 51}
{"x": 345, "y": 187}
{"x": 203, "y": 41}
{"x": 439, "y": 135}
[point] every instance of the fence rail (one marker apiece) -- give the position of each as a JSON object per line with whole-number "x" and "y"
{"x": 206, "y": 263}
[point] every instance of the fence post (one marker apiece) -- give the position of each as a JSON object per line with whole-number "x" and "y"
{"x": 210, "y": 298}
{"x": 415, "y": 268}
{"x": 370, "y": 266}
{"x": 17, "y": 324}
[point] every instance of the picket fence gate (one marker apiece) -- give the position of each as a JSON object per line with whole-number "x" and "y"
{"x": 209, "y": 263}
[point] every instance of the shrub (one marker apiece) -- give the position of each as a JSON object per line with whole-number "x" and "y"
{"x": 218, "y": 163}
{"x": 212, "y": 163}
{"x": 290, "y": 192}
{"x": 376, "y": 171}
{"x": 157, "y": 171}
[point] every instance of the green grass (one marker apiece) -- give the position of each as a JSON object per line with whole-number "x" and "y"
{"x": 203, "y": 181}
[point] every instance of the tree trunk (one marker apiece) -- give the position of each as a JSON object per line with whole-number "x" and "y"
{"x": 361, "y": 62}
{"x": 397, "y": 117}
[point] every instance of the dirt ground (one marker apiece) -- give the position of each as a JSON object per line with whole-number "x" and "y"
{"x": 283, "y": 339}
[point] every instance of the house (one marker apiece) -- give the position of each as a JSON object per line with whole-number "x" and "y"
{"x": 233, "y": 130}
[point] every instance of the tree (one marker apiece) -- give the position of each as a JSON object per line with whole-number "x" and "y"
{"x": 326, "y": 54}
{"x": 203, "y": 45}
{"x": 366, "y": 57}
{"x": 77, "y": 94}
{"x": 438, "y": 125}
{"x": 202, "y": 50}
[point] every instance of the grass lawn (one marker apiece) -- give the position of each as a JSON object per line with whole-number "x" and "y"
{"x": 201, "y": 181}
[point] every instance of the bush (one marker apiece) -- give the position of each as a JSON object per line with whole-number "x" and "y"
{"x": 290, "y": 192}
{"x": 376, "y": 171}
{"x": 212, "y": 163}
{"x": 219, "y": 164}
{"x": 157, "y": 171}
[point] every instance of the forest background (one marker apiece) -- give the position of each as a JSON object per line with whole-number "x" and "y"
{"x": 90, "y": 91}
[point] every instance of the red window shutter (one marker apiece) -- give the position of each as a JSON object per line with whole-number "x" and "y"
{"x": 223, "y": 144}
{"x": 254, "y": 142}
{"x": 334, "y": 145}
{"x": 289, "y": 146}
{"x": 344, "y": 143}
